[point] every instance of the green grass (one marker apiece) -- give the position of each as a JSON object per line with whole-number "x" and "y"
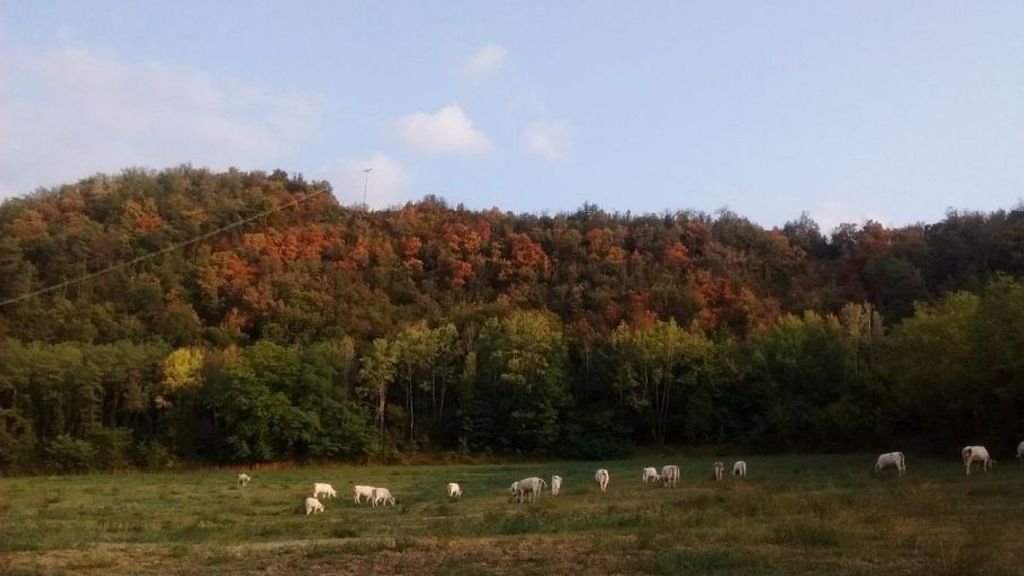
{"x": 808, "y": 514}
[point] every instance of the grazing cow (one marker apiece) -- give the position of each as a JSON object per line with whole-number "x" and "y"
{"x": 516, "y": 491}
{"x": 602, "y": 478}
{"x": 382, "y": 496}
{"x": 243, "y": 480}
{"x": 892, "y": 460}
{"x": 739, "y": 469}
{"x": 454, "y": 491}
{"x": 669, "y": 475}
{"x": 324, "y": 489}
{"x": 313, "y": 506}
{"x": 528, "y": 488}
{"x": 972, "y": 454}
{"x": 719, "y": 470}
{"x": 360, "y": 492}
{"x": 556, "y": 485}
{"x": 649, "y": 474}
{"x": 1020, "y": 452}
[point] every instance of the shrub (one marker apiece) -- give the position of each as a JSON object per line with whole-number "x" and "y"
{"x": 17, "y": 441}
{"x": 112, "y": 445}
{"x": 154, "y": 456}
{"x": 67, "y": 455}
{"x": 594, "y": 436}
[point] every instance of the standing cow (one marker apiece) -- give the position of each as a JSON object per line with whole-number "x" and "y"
{"x": 454, "y": 491}
{"x": 719, "y": 470}
{"x": 972, "y": 454}
{"x": 649, "y": 474}
{"x": 602, "y": 477}
{"x": 360, "y": 492}
{"x": 313, "y": 506}
{"x": 739, "y": 469}
{"x": 892, "y": 460}
{"x": 323, "y": 489}
{"x": 556, "y": 485}
{"x": 527, "y": 489}
{"x": 670, "y": 475}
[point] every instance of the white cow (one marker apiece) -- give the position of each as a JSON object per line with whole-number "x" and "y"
{"x": 556, "y": 485}
{"x": 243, "y": 480}
{"x": 739, "y": 469}
{"x": 649, "y": 474}
{"x": 892, "y": 460}
{"x": 528, "y": 488}
{"x": 972, "y": 454}
{"x": 382, "y": 496}
{"x": 324, "y": 489}
{"x": 1020, "y": 452}
{"x": 602, "y": 477}
{"x": 313, "y": 506}
{"x": 669, "y": 475}
{"x": 360, "y": 492}
{"x": 454, "y": 491}
{"x": 719, "y": 470}
{"x": 516, "y": 492}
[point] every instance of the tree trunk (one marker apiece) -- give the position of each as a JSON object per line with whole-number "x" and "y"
{"x": 433, "y": 391}
{"x": 440, "y": 409}
{"x": 382, "y": 400}
{"x": 412, "y": 412}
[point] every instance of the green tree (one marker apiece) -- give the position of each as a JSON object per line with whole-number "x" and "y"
{"x": 254, "y": 408}
{"x": 800, "y": 385}
{"x": 377, "y": 371}
{"x": 413, "y": 352}
{"x": 932, "y": 360}
{"x": 656, "y": 364}
{"x": 520, "y": 384}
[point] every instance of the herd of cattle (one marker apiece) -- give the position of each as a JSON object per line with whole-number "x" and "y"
{"x": 969, "y": 454}
{"x": 529, "y": 489}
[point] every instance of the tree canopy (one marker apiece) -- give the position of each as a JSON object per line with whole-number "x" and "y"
{"x": 322, "y": 331}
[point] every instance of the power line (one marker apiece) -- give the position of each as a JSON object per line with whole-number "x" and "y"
{"x": 162, "y": 251}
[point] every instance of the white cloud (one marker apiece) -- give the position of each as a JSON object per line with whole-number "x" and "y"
{"x": 552, "y": 140}
{"x": 485, "y": 61}
{"x": 388, "y": 183}
{"x": 75, "y": 111}
{"x": 448, "y": 131}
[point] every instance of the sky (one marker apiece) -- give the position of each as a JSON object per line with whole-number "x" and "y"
{"x": 888, "y": 110}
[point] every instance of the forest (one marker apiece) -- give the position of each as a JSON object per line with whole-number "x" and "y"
{"x": 328, "y": 332}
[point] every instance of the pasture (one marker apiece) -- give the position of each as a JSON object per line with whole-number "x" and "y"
{"x": 806, "y": 514}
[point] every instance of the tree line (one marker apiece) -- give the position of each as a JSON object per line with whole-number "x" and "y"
{"x": 325, "y": 332}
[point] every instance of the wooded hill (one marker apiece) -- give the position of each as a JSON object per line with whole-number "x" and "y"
{"x": 332, "y": 332}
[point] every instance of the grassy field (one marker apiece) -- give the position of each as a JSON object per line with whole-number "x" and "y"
{"x": 809, "y": 514}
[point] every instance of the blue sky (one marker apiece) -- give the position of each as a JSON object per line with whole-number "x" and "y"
{"x": 888, "y": 110}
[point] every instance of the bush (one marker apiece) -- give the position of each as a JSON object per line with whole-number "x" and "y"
{"x": 596, "y": 446}
{"x": 112, "y": 445}
{"x": 17, "y": 441}
{"x": 346, "y": 432}
{"x": 154, "y": 456}
{"x": 594, "y": 436}
{"x": 67, "y": 455}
